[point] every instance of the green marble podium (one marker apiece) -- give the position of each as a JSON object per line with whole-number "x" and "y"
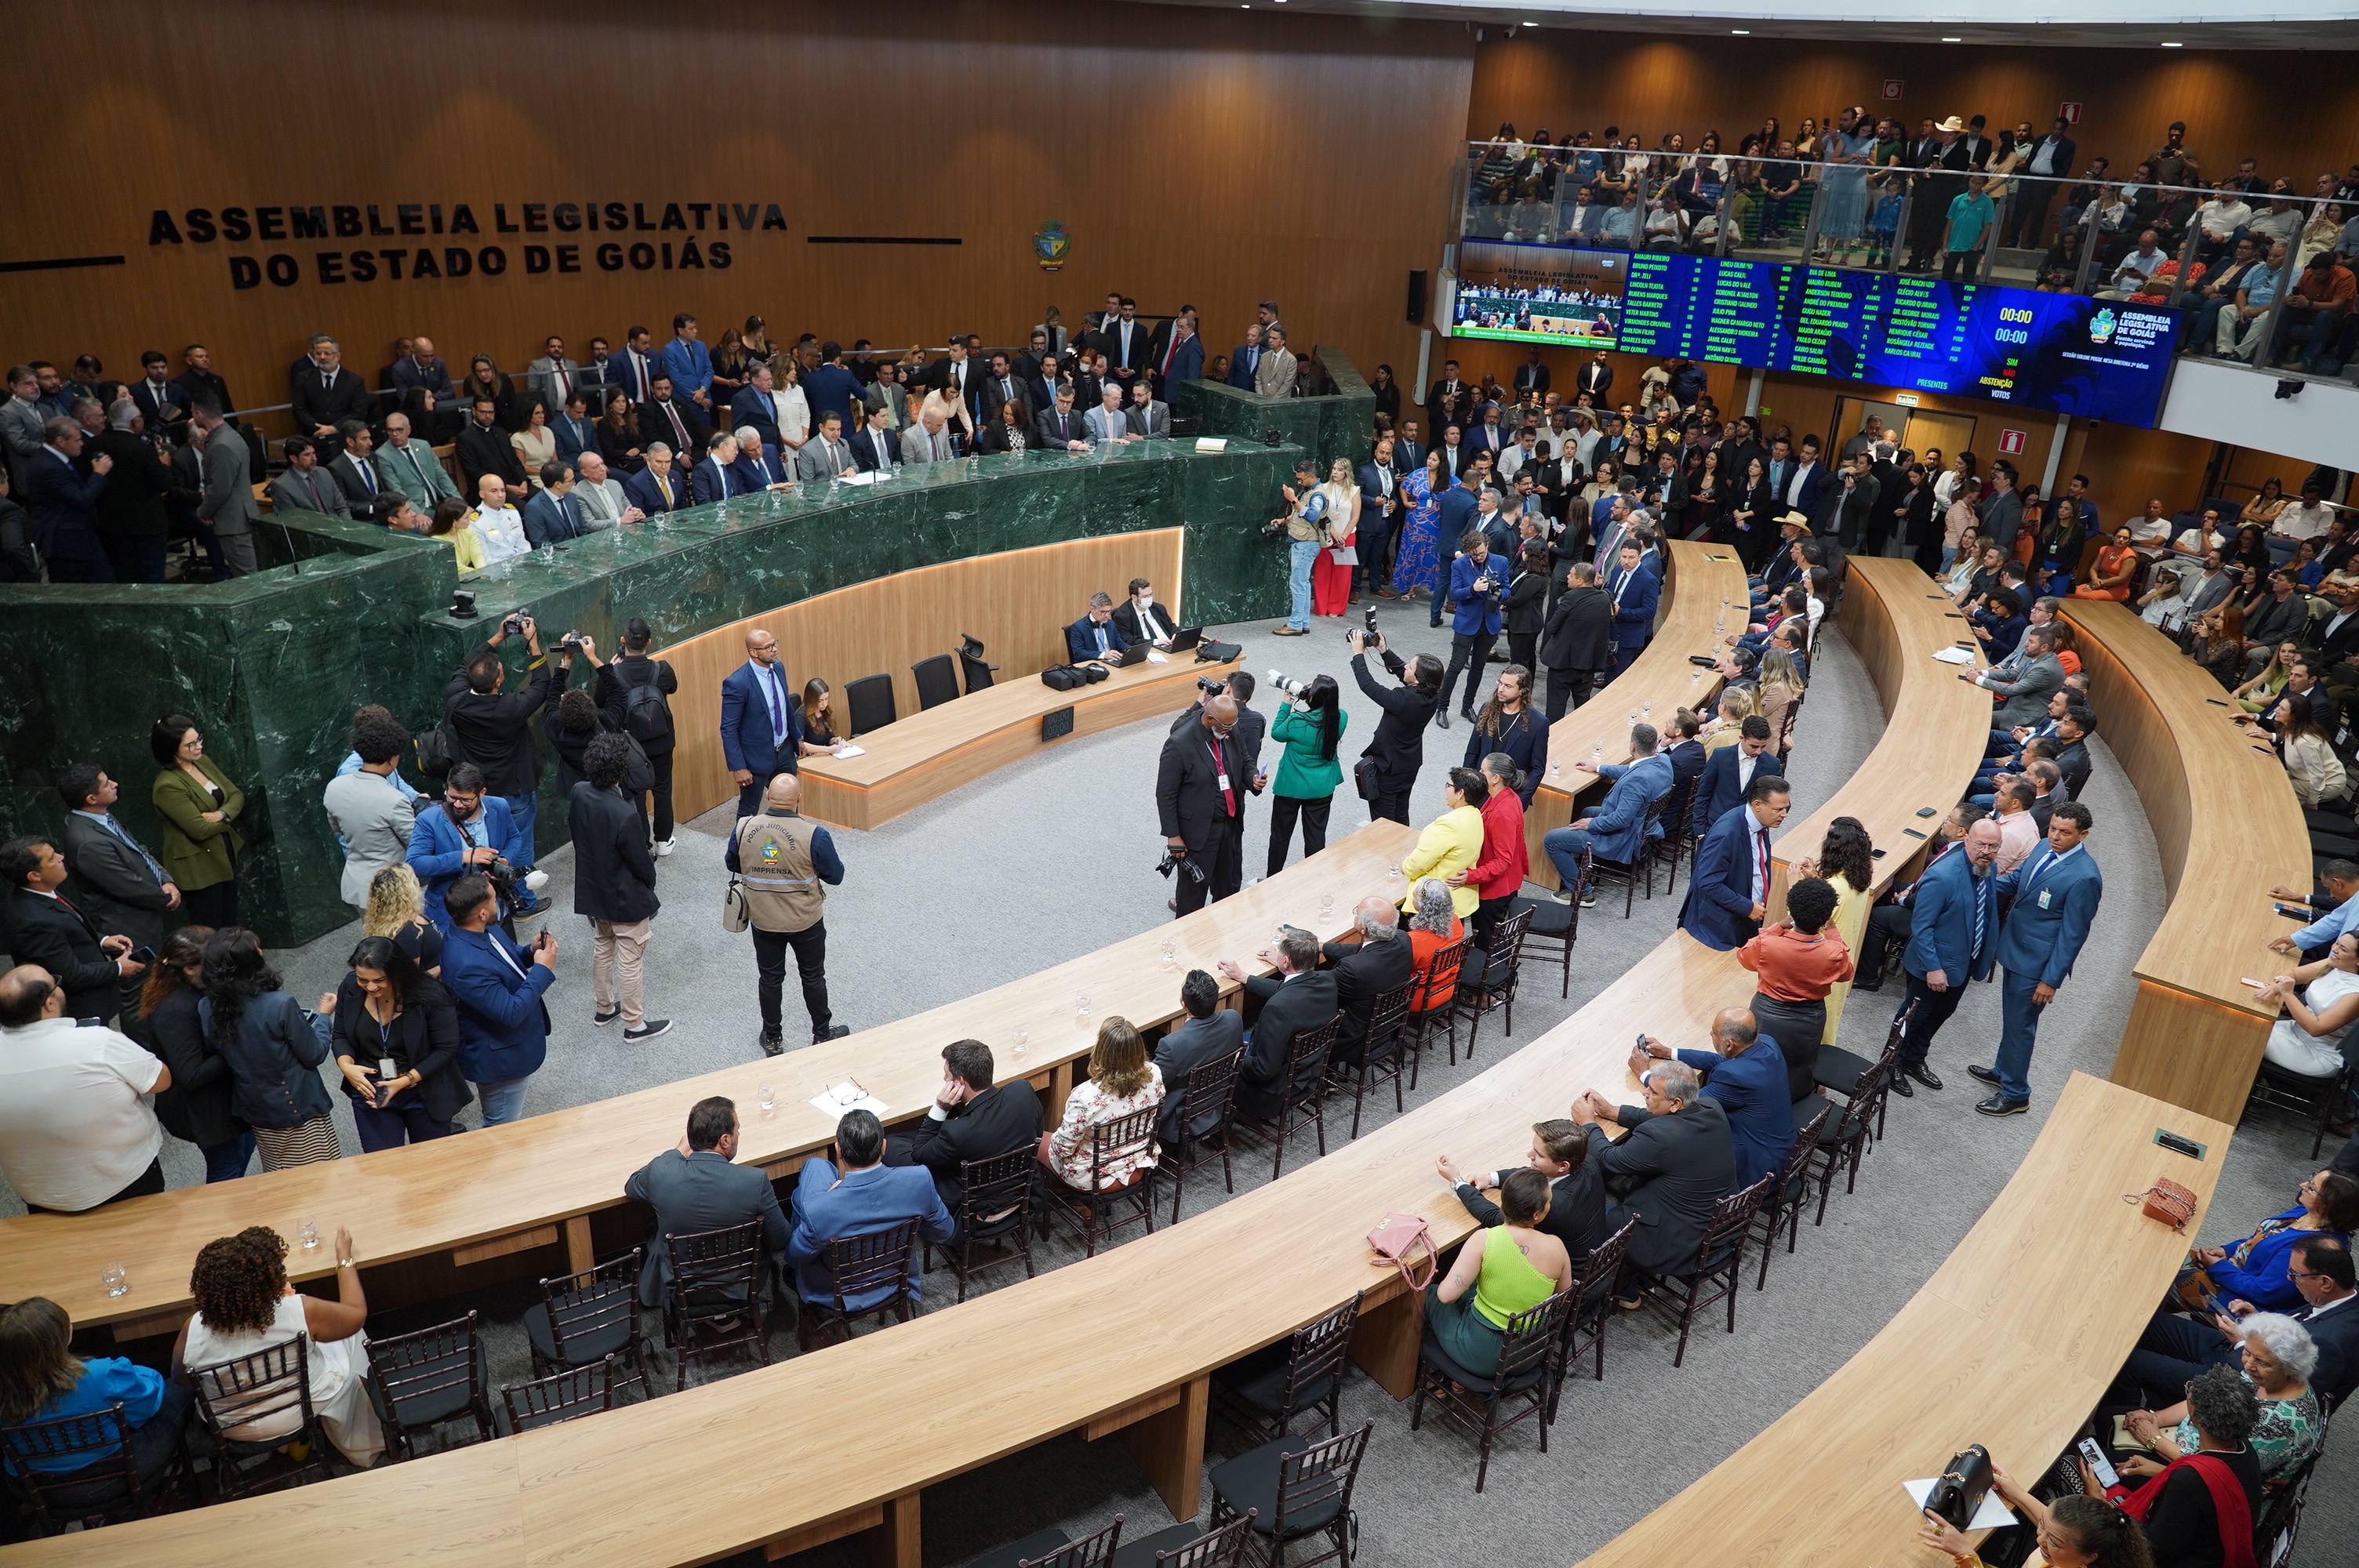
{"x": 271, "y": 665}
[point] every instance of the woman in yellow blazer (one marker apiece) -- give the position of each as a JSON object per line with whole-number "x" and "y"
{"x": 198, "y": 803}
{"x": 1453, "y": 841}
{"x": 1847, "y": 860}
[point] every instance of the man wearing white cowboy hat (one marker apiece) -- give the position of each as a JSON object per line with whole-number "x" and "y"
{"x": 1928, "y": 213}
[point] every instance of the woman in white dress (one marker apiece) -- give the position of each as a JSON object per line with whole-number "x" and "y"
{"x": 794, "y": 408}
{"x": 2320, "y": 1001}
{"x": 245, "y": 1303}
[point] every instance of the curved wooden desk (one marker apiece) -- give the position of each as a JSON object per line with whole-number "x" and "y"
{"x": 2228, "y": 828}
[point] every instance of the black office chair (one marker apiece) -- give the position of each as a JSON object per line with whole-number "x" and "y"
{"x": 868, "y": 703}
{"x": 977, "y": 673}
{"x": 937, "y": 681}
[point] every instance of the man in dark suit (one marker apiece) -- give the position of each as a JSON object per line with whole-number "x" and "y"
{"x": 490, "y": 726}
{"x": 662, "y": 485}
{"x": 1745, "y": 1072}
{"x": 856, "y": 1194}
{"x": 199, "y": 383}
{"x": 498, "y": 986}
{"x": 1954, "y": 925}
{"x": 1730, "y": 770}
{"x": 1729, "y": 889}
{"x": 1451, "y": 401}
{"x": 1398, "y": 747}
{"x": 44, "y": 927}
{"x": 325, "y": 395}
{"x": 1060, "y": 428}
{"x": 1140, "y": 619}
{"x": 1532, "y": 378}
{"x": 761, "y": 720}
{"x": 2051, "y": 157}
{"x": 675, "y": 422}
{"x": 1677, "y": 1163}
{"x": 2175, "y": 1349}
{"x": 162, "y": 402}
{"x": 63, "y": 494}
{"x": 1175, "y": 351}
{"x": 2056, "y": 892}
{"x": 699, "y": 1186}
{"x": 1377, "y": 961}
{"x": 132, "y": 518}
{"x": 352, "y": 471}
{"x": 1199, "y": 794}
{"x": 1209, "y": 1033}
{"x": 756, "y": 404}
{"x": 1245, "y": 362}
{"x": 484, "y": 448}
{"x": 1380, "y": 507}
{"x": 117, "y": 883}
{"x": 1596, "y": 378}
{"x": 1299, "y": 998}
{"x": 973, "y": 1118}
{"x": 613, "y": 884}
{"x": 1576, "y": 1214}
{"x": 1094, "y": 635}
{"x": 874, "y": 445}
{"x": 1576, "y": 643}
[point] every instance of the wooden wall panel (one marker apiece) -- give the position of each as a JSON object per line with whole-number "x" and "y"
{"x": 1196, "y": 156}
{"x": 1016, "y": 602}
{"x": 2234, "y": 101}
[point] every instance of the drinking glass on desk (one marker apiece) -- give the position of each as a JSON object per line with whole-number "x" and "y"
{"x": 1596, "y": 755}
{"x": 1081, "y": 1009}
{"x": 1647, "y": 709}
{"x": 768, "y": 1095}
{"x": 307, "y": 1232}
{"x": 1171, "y": 951}
{"x": 1326, "y": 907}
{"x": 1634, "y": 715}
{"x": 116, "y": 1279}
{"x": 1023, "y": 1039}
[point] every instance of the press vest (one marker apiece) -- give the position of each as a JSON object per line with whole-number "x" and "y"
{"x": 783, "y": 892}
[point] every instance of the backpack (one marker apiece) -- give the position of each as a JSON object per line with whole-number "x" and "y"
{"x": 646, "y": 715}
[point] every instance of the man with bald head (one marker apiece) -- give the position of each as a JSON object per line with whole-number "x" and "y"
{"x": 1745, "y": 1072}
{"x": 1374, "y": 959}
{"x": 1953, "y": 938}
{"x": 785, "y": 866}
{"x": 1200, "y": 795}
{"x": 76, "y": 1130}
{"x": 761, "y": 720}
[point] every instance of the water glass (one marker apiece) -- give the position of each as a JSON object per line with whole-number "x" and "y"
{"x": 307, "y": 1232}
{"x": 1556, "y": 772}
{"x": 1171, "y": 951}
{"x": 1634, "y": 715}
{"x": 1596, "y": 754}
{"x": 1647, "y": 709}
{"x": 1081, "y": 1009}
{"x": 1326, "y": 907}
{"x": 1023, "y": 1039}
{"x": 116, "y": 1279}
{"x": 768, "y": 1095}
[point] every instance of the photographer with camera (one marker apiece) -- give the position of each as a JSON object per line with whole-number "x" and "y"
{"x": 1305, "y": 526}
{"x": 498, "y": 985}
{"x": 1398, "y": 749}
{"x": 1200, "y": 795}
{"x": 1478, "y": 584}
{"x": 632, "y": 691}
{"x": 470, "y": 832}
{"x": 1309, "y": 724}
{"x": 492, "y": 728}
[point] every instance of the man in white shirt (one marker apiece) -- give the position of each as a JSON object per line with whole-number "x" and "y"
{"x": 603, "y": 504}
{"x": 2135, "y": 268}
{"x": 2220, "y": 217}
{"x": 2307, "y": 518}
{"x": 500, "y": 525}
{"x": 2019, "y": 829}
{"x": 2151, "y": 527}
{"x": 76, "y": 1132}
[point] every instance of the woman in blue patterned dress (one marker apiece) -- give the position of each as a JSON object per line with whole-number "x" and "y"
{"x": 1417, "y": 562}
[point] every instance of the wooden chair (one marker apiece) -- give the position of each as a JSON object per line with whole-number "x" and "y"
{"x": 1293, "y": 1489}
{"x": 1496, "y": 989}
{"x": 1678, "y": 833}
{"x": 272, "y": 1383}
{"x": 1845, "y": 1072}
{"x": 1783, "y": 1208}
{"x": 1439, "y": 989}
{"x": 995, "y": 1206}
{"x": 584, "y": 1319}
{"x": 1383, "y": 1051}
{"x": 1211, "y": 1084}
{"x": 1711, "y": 1277}
{"x": 868, "y": 703}
{"x": 1266, "y": 1390}
{"x": 1306, "y": 1062}
{"x": 1095, "y": 1210}
{"x": 716, "y": 1301}
{"x": 937, "y": 681}
{"x": 1845, "y": 1144}
{"x": 421, "y": 1381}
{"x": 859, "y": 1266}
{"x": 2280, "y": 1088}
{"x": 1640, "y": 865}
{"x": 1183, "y": 1546}
{"x": 1557, "y": 922}
{"x": 104, "y": 1490}
{"x": 1053, "y": 1548}
{"x": 577, "y": 1392}
{"x": 1592, "y": 1308}
{"x": 1477, "y": 1403}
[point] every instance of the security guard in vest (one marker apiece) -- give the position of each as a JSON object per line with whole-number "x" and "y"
{"x": 787, "y": 865}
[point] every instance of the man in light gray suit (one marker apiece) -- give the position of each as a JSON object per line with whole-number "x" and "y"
{"x": 410, "y": 466}
{"x": 603, "y": 502}
{"x": 367, "y": 811}
{"x": 2024, "y": 698}
{"x": 304, "y": 486}
{"x": 228, "y": 503}
{"x": 826, "y": 454}
{"x": 1273, "y": 375}
{"x": 699, "y": 1186}
{"x": 553, "y": 378}
{"x": 117, "y": 883}
{"x": 1108, "y": 424}
{"x": 1147, "y": 417}
{"x": 927, "y": 441}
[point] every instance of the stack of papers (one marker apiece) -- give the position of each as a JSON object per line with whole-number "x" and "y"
{"x": 1953, "y": 656}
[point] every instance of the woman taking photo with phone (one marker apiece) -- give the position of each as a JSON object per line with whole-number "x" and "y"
{"x": 395, "y": 1032}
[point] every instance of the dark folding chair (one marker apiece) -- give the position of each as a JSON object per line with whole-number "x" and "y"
{"x": 995, "y": 1209}
{"x": 937, "y": 681}
{"x": 2279, "y": 1525}
{"x": 859, "y": 1266}
{"x": 1711, "y": 1277}
{"x": 1209, "y": 1085}
{"x": 1843, "y": 1071}
{"x": 1183, "y": 1546}
{"x": 1844, "y": 1144}
{"x": 584, "y": 1319}
{"x": 868, "y": 703}
{"x": 271, "y": 1384}
{"x": 1641, "y": 864}
{"x": 1098, "y": 1208}
{"x": 716, "y": 1301}
{"x": 423, "y": 1381}
{"x": 1264, "y": 1391}
{"x": 1679, "y": 832}
{"x": 1477, "y": 1403}
{"x": 1053, "y": 1548}
{"x": 2317, "y": 1099}
{"x": 1294, "y": 1489}
{"x": 1783, "y": 1208}
{"x": 1496, "y": 989}
{"x": 1306, "y": 1062}
{"x": 1592, "y": 1307}
{"x": 106, "y": 1490}
{"x": 1439, "y": 992}
{"x": 1383, "y": 1051}
{"x": 577, "y": 1392}
{"x": 1554, "y": 922}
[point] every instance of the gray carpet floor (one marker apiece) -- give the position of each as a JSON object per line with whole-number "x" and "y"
{"x": 1054, "y": 857}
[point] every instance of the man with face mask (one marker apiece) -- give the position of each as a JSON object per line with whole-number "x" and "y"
{"x": 1140, "y": 620}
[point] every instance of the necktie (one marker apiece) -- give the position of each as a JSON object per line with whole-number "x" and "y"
{"x": 935, "y": 443}
{"x": 368, "y": 478}
{"x": 679, "y": 430}
{"x": 1168, "y": 354}
{"x": 777, "y": 705}
{"x": 153, "y": 868}
{"x": 1981, "y": 917}
{"x": 663, "y": 483}
{"x": 1760, "y": 863}
{"x": 565, "y": 509}
{"x": 724, "y": 474}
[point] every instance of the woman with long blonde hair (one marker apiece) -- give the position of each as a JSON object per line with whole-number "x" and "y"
{"x": 396, "y": 908}
{"x": 1122, "y": 1080}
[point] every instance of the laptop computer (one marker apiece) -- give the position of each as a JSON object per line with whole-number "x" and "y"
{"x": 1186, "y": 638}
{"x": 1134, "y": 654}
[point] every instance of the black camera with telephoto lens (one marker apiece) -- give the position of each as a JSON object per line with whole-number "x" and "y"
{"x": 1163, "y": 867}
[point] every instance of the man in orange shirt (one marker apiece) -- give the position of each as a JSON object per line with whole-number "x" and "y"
{"x": 2317, "y": 315}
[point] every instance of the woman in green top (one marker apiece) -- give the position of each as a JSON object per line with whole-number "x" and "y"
{"x": 1308, "y": 772}
{"x": 1508, "y": 1268}
{"x": 198, "y": 803}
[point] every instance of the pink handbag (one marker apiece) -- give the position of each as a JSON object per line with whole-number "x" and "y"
{"x": 1398, "y": 1240}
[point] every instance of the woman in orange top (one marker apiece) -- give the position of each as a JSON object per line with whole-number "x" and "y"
{"x": 1799, "y": 960}
{"x": 1434, "y": 926}
{"x": 2117, "y": 564}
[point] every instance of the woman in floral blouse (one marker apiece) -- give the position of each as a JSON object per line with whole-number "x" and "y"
{"x": 1122, "y": 1080}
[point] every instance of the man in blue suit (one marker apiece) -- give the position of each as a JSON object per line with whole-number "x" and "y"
{"x": 759, "y": 467}
{"x": 659, "y": 487}
{"x": 715, "y": 479}
{"x": 689, "y": 363}
{"x": 1728, "y": 888}
{"x": 1616, "y": 830}
{"x": 1094, "y": 635}
{"x": 1634, "y": 590}
{"x": 761, "y": 721}
{"x": 1729, "y": 772}
{"x": 1456, "y": 509}
{"x": 503, "y": 1022}
{"x": 1246, "y": 360}
{"x": 1478, "y": 583}
{"x": 1745, "y": 1072}
{"x": 756, "y": 404}
{"x": 2056, "y": 892}
{"x": 859, "y": 1197}
{"x": 467, "y": 831}
{"x": 63, "y": 502}
{"x": 1379, "y": 509}
{"x": 1953, "y": 938}
{"x": 552, "y": 515}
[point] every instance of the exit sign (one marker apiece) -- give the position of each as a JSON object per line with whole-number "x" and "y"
{"x": 2011, "y": 442}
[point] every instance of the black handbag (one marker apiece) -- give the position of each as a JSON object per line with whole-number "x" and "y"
{"x": 1960, "y": 1489}
{"x": 1364, "y": 777}
{"x": 1061, "y": 678}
